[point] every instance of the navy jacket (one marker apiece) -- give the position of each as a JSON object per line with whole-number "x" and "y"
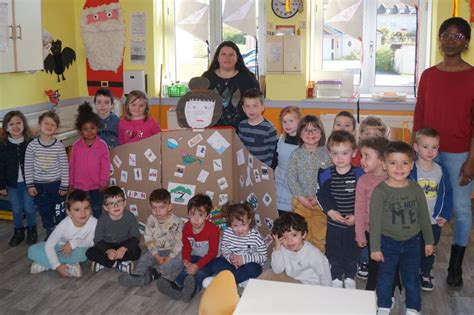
{"x": 11, "y": 156}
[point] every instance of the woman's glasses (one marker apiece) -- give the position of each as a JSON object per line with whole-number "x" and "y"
{"x": 452, "y": 36}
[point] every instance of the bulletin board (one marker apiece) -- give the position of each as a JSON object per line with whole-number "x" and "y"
{"x": 212, "y": 161}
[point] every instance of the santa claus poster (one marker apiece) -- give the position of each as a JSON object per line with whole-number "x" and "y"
{"x": 103, "y": 33}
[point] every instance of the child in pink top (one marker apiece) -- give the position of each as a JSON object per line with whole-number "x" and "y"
{"x": 371, "y": 150}
{"x": 89, "y": 162}
{"x": 136, "y": 125}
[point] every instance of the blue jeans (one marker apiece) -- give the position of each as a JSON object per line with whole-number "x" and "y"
{"x": 241, "y": 274}
{"x": 22, "y": 203}
{"x": 96, "y": 200}
{"x": 50, "y": 204}
{"x": 407, "y": 255}
{"x": 37, "y": 253}
{"x": 461, "y": 195}
{"x": 427, "y": 262}
{"x": 200, "y": 275}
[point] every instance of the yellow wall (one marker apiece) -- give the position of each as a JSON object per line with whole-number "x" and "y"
{"x": 20, "y": 89}
{"x": 442, "y": 10}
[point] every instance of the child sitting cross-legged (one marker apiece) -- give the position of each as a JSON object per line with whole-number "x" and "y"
{"x": 200, "y": 247}
{"x": 116, "y": 236}
{"x": 294, "y": 259}
{"x": 66, "y": 246}
{"x": 243, "y": 249}
{"x": 163, "y": 233}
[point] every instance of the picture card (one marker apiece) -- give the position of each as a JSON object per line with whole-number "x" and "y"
{"x": 133, "y": 209}
{"x": 268, "y": 239}
{"x": 253, "y": 201}
{"x": 210, "y": 194}
{"x": 112, "y": 181}
{"x": 136, "y": 194}
{"x": 265, "y": 173}
{"x": 117, "y": 161}
{"x": 111, "y": 170}
{"x": 150, "y": 156}
{"x": 181, "y": 193}
{"x": 201, "y": 151}
{"x": 267, "y": 199}
{"x": 248, "y": 180}
{"x": 222, "y": 182}
{"x": 202, "y": 177}
{"x": 195, "y": 140}
{"x": 132, "y": 159}
{"x": 250, "y": 160}
{"x": 223, "y": 199}
{"x": 256, "y": 174}
{"x": 179, "y": 170}
{"x": 269, "y": 223}
{"x": 257, "y": 220}
{"x": 123, "y": 176}
{"x": 137, "y": 172}
{"x": 218, "y": 142}
{"x": 241, "y": 180}
{"x": 240, "y": 157}
{"x": 217, "y": 165}
{"x": 153, "y": 175}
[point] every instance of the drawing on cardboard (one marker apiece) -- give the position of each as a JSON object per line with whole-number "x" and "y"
{"x": 201, "y": 151}
{"x": 265, "y": 173}
{"x": 172, "y": 143}
{"x": 133, "y": 209}
{"x": 188, "y": 158}
{"x": 269, "y": 223}
{"x": 179, "y": 170}
{"x": 181, "y": 193}
{"x": 253, "y": 201}
{"x": 218, "y": 142}
{"x": 195, "y": 140}
{"x": 217, "y": 165}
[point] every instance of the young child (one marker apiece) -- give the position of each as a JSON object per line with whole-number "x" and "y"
{"x": 294, "y": 259}
{"x": 398, "y": 211}
{"x": 116, "y": 236}
{"x": 289, "y": 118}
{"x": 163, "y": 234}
{"x": 15, "y": 138}
{"x": 89, "y": 162}
{"x": 200, "y": 247}
{"x": 345, "y": 121}
{"x": 47, "y": 172}
{"x": 372, "y": 126}
{"x": 257, "y": 134}
{"x": 108, "y": 128}
{"x": 337, "y": 198}
{"x": 433, "y": 178}
{"x": 372, "y": 163}
{"x": 136, "y": 124}
{"x": 303, "y": 168}
{"x": 243, "y": 249}
{"x": 66, "y": 247}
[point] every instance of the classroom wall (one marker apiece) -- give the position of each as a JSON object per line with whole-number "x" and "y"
{"x": 21, "y": 89}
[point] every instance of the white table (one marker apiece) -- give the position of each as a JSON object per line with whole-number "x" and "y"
{"x": 270, "y": 297}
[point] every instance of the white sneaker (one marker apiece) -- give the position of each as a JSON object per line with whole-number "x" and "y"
{"x": 74, "y": 270}
{"x": 126, "y": 266}
{"x": 349, "y": 283}
{"x": 96, "y": 267}
{"x": 37, "y": 268}
{"x": 383, "y": 311}
{"x": 411, "y": 311}
{"x": 243, "y": 284}
{"x": 336, "y": 283}
{"x": 207, "y": 281}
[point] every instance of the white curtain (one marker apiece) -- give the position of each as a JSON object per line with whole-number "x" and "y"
{"x": 193, "y": 17}
{"x": 346, "y": 16}
{"x": 241, "y": 15}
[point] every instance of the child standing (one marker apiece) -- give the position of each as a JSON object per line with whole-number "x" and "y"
{"x": 303, "y": 168}
{"x": 345, "y": 121}
{"x": 337, "y": 197}
{"x": 15, "y": 138}
{"x": 372, "y": 163}
{"x": 256, "y": 133}
{"x": 108, "y": 128}
{"x": 47, "y": 172}
{"x": 294, "y": 259}
{"x": 89, "y": 161}
{"x": 116, "y": 236}
{"x": 66, "y": 247}
{"x": 200, "y": 247}
{"x": 289, "y": 118}
{"x": 136, "y": 124}
{"x": 398, "y": 211}
{"x": 163, "y": 234}
{"x": 243, "y": 249}
{"x": 433, "y": 178}
{"x": 371, "y": 127}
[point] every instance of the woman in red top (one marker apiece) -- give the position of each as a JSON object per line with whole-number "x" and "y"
{"x": 445, "y": 102}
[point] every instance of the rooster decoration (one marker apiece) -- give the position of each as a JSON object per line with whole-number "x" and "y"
{"x": 59, "y": 60}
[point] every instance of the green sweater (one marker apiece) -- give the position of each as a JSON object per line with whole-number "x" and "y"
{"x": 399, "y": 213}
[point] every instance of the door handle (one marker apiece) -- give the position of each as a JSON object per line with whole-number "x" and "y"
{"x": 19, "y": 31}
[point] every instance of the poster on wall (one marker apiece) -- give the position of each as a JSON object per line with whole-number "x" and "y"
{"x": 138, "y": 37}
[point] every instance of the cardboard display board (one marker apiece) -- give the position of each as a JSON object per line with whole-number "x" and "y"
{"x": 212, "y": 161}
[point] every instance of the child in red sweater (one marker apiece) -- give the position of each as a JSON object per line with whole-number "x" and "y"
{"x": 200, "y": 246}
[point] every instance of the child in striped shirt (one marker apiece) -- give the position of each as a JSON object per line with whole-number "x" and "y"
{"x": 257, "y": 134}
{"x": 47, "y": 172}
{"x": 243, "y": 249}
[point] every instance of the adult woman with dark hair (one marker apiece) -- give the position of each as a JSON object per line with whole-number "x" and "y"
{"x": 446, "y": 103}
{"x": 230, "y": 78}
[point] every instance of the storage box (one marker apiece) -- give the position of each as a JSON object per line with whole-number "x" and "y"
{"x": 328, "y": 89}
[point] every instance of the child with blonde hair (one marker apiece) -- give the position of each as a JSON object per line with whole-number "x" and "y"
{"x": 15, "y": 138}
{"x": 303, "y": 168}
{"x": 289, "y": 118}
{"x": 136, "y": 124}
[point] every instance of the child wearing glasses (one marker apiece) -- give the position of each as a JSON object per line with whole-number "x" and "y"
{"x": 116, "y": 235}
{"x": 303, "y": 168}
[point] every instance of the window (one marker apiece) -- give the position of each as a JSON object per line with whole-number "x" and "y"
{"x": 375, "y": 41}
{"x": 195, "y": 30}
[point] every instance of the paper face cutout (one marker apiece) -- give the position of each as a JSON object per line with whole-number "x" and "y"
{"x": 199, "y": 113}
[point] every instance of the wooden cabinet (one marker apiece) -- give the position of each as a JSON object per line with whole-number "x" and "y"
{"x": 284, "y": 54}
{"x": 23, "y": 49}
